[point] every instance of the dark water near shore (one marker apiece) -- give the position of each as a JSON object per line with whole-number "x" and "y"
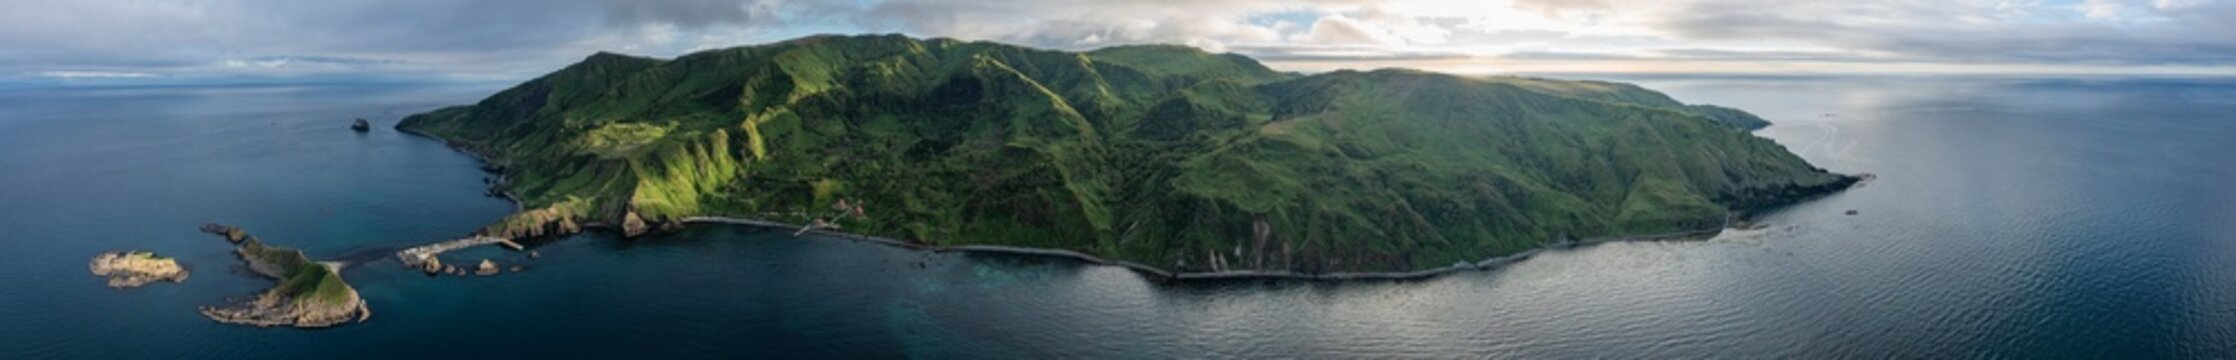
{"x": 2012, "y": 217}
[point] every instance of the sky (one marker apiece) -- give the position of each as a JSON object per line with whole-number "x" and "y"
{"x": 518, "y": 39}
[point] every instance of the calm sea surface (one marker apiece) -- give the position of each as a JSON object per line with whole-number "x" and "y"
{"x": 2011, "y": 218}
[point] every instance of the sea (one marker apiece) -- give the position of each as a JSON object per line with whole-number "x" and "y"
{"x": 2010, "y": 217}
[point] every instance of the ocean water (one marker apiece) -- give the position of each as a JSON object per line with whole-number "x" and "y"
{"x": 2012, "y": 217}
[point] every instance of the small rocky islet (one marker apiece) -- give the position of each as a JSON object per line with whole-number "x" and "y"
{"x": 135, "y": 268}
{"x": 306, "y": 294}
{"x": 434, "y": 266}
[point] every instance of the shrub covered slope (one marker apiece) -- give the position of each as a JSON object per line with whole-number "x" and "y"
{"x": 1162, "y": 155}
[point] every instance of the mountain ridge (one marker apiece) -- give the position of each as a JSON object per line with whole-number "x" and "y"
{"x": 1157, "y": 154}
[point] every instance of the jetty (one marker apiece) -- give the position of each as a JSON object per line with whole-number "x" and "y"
{"x": 416, "y": 256}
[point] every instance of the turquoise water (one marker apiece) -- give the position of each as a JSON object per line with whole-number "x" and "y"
{"x": 2012, "y": 218}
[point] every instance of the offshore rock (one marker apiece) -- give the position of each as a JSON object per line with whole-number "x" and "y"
{"x": 231, "y": 234}
{"x": 132, "y": 269}
{"x": 433, "y": 265}
{"x": 361, "y": 125}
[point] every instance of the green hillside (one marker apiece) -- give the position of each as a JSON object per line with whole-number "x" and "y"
{"x": 300, "y": 279}
{"x": 1163, "y": 155}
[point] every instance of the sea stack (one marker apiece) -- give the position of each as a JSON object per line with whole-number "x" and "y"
{"x": 361, "y": 125}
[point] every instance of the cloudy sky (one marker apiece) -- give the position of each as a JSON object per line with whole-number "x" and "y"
{"x": 516, "y": 39}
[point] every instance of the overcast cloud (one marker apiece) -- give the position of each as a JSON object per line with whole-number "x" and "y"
{"x": 514, "y": 39}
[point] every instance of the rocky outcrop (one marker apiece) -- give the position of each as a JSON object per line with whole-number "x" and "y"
{"x": 535, "y": 223}
{"x": 361, "y": 125}
{"x": 305, "y": 293}
{"x": 271, "y": 309}
{"x": 231, "y": 234}
{"x": 132, "y": 269}
{"x": 432, "y": 266}
{"x": 1753, "y": 199}
{"x": 487, "y": 268}
{"x": 632, "y": 225}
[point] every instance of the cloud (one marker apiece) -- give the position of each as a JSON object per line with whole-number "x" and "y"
{"x": 1377, "y": 26}
{"x": 1343, "y": 30}
{"x": 2095, "y": 32}
{"x": 1696, "y": 55}
{"x": 514, "y": 39}
{"x": 690, "y": 13}
{"x": 272, "y": 62}
{"x": 1557, "y": 8}
{"x": 1078, "y": 23}
{"x": 1341, "y": 53}
{"x": 510, "y": 37}
{"x": 94, "y": 74}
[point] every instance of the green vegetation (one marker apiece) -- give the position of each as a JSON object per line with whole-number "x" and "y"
{"x": 1163, "y": 155}
{"x": 304, "y": 293}
{"x": 316, "y": 284}
{"x": 305, "y": 282}
{"x": 1633, "y": 94}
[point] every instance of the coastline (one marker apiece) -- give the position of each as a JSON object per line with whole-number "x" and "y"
{"x": 484, "y": 159}
{"x": 1155, "y": 273}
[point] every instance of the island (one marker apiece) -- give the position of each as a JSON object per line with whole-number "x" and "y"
{"x": 1158, "y": 156}
{"x": 361, "y": 125}
{"x": 305, "y": 293}
{"x": 136, "y": 268}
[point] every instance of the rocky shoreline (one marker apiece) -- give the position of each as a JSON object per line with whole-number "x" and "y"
{"x": 305, "y": 293}
{"x": 136, "y": 268}
{"x": 268, "y": 310}
{"x": 1155, "y": 273}
{"x": 1783, "y": 197}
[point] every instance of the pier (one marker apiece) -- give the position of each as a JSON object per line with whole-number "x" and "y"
{"x": 415, "y": 256}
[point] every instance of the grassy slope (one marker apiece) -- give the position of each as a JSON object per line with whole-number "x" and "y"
{"x": 300, "y": 279}
{"x": 1634, "y": 95}
{"x": 1163, "y": 155}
